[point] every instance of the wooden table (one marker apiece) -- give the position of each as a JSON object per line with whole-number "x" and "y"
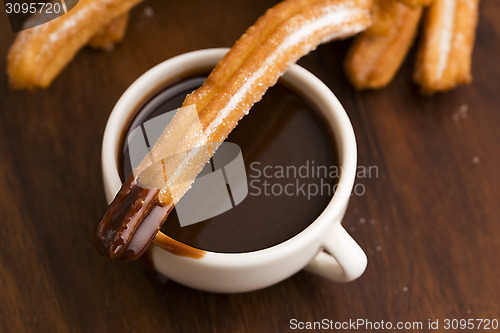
{"x": 429, "y": 220}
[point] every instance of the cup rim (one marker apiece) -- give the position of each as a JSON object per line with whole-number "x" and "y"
{"x": 308, "y": 84}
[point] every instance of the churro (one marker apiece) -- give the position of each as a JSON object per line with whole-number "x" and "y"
{"x": 279, "y": 38}
{"x": 445, "y": 51}
{"x": 378, "y": 52}
{"x": 111, "y": 34}
{"x": 40, "y": 53}
{"x": 416, "y": 3}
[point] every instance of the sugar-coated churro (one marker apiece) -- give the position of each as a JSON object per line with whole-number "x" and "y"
{"x": 378, "y": 52}
{"x": 40, "y": 53}
{"x": 445, "y": 51}
{"x": 110, "y": 34}
{"x": 279, "y": 38}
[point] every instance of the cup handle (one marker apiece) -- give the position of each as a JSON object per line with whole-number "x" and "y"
{"x": 341, "y": 258}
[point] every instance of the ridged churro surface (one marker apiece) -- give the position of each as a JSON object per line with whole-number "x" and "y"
{"x": 40, "y": 53}
{"x": 378, "y": 52}
{"x": 445, "y": 51}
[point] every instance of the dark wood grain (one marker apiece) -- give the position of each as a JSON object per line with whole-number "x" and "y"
{"x": 429, "y": 222}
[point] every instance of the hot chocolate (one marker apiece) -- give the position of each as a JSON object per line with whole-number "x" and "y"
{"x": 290, "y": 162}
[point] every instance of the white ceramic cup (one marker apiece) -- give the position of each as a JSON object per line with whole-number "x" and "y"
{"x": 324, "y": 247}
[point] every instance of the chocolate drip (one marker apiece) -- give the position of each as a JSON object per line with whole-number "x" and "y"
{"x": 131, "y": 222}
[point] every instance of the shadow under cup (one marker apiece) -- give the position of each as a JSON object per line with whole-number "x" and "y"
{"x": 287, "y": 171}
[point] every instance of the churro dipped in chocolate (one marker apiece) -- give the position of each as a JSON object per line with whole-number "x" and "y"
{"x": 279, "y": 38}
{"x": 378, "y": 52}
{"x": 445, "y": 51}
{"x": 39, "y": 54}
